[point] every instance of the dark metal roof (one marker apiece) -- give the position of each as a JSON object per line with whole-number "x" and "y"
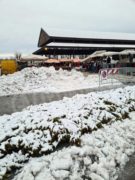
{"x": 72, "y": 50}
{"x": 45, "y": 39}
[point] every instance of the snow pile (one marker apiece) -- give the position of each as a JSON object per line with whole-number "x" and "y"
{"x": 38, "y": 130}
{"x": 45, "y": 80}
{"x": 99, "y": 157}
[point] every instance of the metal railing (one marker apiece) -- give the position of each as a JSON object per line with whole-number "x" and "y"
{"x": 113, "y": 76}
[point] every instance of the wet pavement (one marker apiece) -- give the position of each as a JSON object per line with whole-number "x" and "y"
{"x": 129, "y": 171}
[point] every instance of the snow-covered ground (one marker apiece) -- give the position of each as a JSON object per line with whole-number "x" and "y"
{"x": 46, "y": 80}
{"x": 99, "y": 157}
{"x": 99, "y": 123}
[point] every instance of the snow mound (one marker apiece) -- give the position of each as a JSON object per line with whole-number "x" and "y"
{"x": 45, "y": 80}
{"x": 39, "y": 130}
{"x": 99, "y": 157}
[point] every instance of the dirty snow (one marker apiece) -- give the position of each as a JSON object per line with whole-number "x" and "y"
{"x": 46, "y": 80}
{"x": 38, "y": 130}
{"x": 100, "y": 156}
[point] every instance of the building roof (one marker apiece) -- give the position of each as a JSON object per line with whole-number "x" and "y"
{"x": 84, "y": 37}
{"x": 78, "y": 49}
{"x": 77, "y": 45}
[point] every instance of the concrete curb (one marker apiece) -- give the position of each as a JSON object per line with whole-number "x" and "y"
{"x": 15, "y": 103}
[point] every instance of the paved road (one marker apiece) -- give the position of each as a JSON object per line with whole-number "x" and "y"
{"x": 129, "y": 171}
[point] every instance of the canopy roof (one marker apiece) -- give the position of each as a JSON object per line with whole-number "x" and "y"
{"x": 107, "y": 53}
{"x": 78, "y": 50}
{"x": 127, "y": 52}
{"x": 76, "y": 60}
{"x": 81, "y": 45}
{"x": 33, "y": 57}
{"x": 52, "y": 61}
{"x": 66, "y": 60}
{"x": 86, "y": 38}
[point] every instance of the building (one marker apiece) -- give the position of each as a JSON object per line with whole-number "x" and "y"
{"x": 77, "y": 44}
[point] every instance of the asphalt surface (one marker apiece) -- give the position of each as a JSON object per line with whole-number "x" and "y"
{"x": 129, "y": 171}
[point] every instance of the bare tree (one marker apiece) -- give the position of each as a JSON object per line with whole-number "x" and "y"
{"x": 18, "y": 55}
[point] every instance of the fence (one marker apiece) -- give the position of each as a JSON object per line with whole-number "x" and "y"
{"x": 114, "y": 76}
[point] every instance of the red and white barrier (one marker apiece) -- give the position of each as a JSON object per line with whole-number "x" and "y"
{"x": 104, "y": 73}
{"x": 113, "y": 71}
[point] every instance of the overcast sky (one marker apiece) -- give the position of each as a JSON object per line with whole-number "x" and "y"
{"x": 21, "y": 20}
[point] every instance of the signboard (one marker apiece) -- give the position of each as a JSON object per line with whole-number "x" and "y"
{"x": 104, "y": 74}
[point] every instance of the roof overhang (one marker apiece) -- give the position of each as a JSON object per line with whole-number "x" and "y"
{"x": 78, "y": 50}
{"x": 45, "y": 39}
